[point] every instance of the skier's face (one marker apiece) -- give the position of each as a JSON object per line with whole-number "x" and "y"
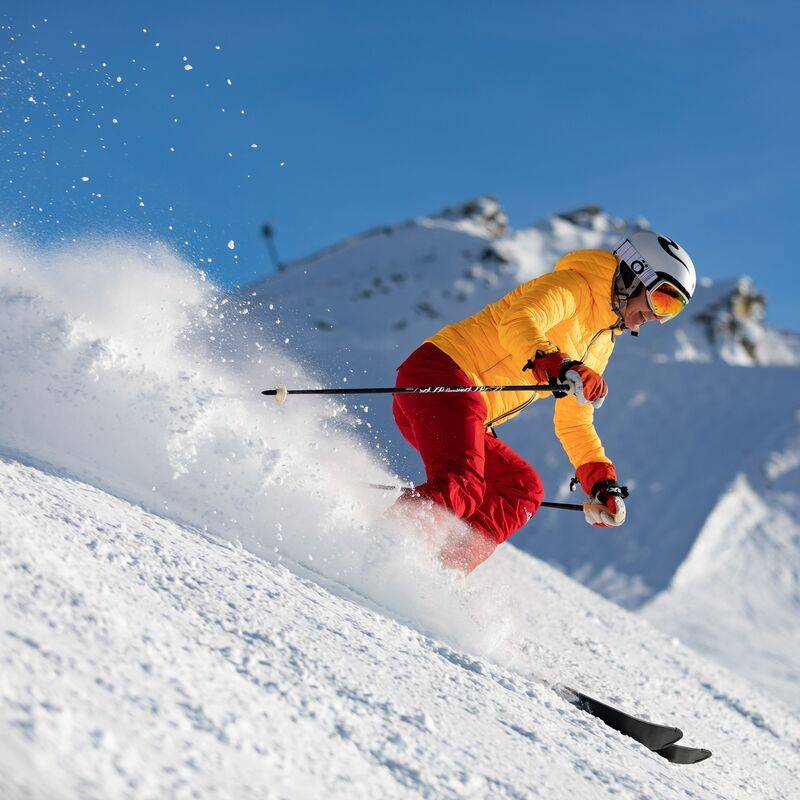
{"x": 638, "y": 312}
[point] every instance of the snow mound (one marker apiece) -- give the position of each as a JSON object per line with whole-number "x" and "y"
{"x": 735, "y": 597}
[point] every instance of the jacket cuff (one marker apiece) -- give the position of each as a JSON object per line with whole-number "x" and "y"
{"x": 594, "y": 472}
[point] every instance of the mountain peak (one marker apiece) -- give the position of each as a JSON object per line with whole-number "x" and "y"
{"x": 484, "y": 210}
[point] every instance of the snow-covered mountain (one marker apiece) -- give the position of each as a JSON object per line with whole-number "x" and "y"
{"x": 685, "y": 422}
{"x": 394, "y": 285}
{"x": 202, "y": 598}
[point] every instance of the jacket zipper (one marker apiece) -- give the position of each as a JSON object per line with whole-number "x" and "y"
{"x": 488, "y": 425}
{"x": 612, "y": 328}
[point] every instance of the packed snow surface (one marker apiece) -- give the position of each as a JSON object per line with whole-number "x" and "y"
{"x": 145, "y": 659}
{"x": 201, "y": 598}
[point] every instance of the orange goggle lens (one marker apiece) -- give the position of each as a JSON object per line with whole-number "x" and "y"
{"x": 666, "y": 301}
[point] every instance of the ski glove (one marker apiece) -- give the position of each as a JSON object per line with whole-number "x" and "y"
{"x": 599, "y": 481}
{"x": 546, "y": 368}
{"x": 586, "y": 384}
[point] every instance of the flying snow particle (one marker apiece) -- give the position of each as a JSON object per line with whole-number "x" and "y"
{"x": 85, "y": 178}
{"x": 231, "y": 244}
{"x": 188, "y": 67}
{"x": 229, "y": 81}
{"x": 254, "y": 146}
{"x": 115, "y": 120}
{"x": 119, "y": 79}
{"x": 283, "y": 163}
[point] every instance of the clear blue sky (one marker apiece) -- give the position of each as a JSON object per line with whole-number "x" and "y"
{"x": 365, "y": 113}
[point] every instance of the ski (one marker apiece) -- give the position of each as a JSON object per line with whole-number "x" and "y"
{"x": 678, "y": 754}
{"x": 652, "y": 735}
{"x": 658, "y": 738}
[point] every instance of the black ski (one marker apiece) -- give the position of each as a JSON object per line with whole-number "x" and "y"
{"x": 658, "y": 738}
{"x": 650, "y": 734}
{"x": 678, "y": 754}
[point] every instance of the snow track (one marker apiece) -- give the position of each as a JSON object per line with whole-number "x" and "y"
{"x": 142, "y": 659}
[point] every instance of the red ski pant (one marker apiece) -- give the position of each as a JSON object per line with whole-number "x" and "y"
{"x": 470, "y": 472}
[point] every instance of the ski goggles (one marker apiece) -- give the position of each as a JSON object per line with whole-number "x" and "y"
{"x": 665, "y": 300}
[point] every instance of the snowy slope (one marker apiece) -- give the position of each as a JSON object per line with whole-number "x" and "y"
{"x": 143, "y": 659}
{"x": 727, "y": 383}
{"x": 200, "y": 596}
{"x": 736, "y": 596}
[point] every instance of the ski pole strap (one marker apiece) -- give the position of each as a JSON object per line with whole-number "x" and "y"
{"x": 280, "y": 392}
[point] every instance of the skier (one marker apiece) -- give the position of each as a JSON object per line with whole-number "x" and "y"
{"x": 556, "y": 329}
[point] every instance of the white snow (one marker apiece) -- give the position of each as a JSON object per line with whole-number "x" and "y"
{"x": 142, "y": 659}
{"x": 741, "y": 578}
{"x": 200, "y": 596}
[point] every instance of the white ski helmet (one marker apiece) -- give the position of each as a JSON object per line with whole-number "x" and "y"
{"x": 646, "y": 258}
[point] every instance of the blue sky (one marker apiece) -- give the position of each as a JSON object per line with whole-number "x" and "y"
{"x": 367, "y": 113}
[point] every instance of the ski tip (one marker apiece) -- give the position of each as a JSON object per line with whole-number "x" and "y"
{"x": 679, "y": 754}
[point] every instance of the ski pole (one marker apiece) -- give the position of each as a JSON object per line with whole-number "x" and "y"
{"x": 280, "y": 392}
{"x": 389, "y": 487}
{"x": 563, "y": 506}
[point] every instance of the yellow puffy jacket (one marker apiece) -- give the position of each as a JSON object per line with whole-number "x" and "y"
{"x": 567, "y": 310}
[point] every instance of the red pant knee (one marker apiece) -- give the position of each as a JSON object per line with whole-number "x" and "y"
{"x": 461, "y": 494}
